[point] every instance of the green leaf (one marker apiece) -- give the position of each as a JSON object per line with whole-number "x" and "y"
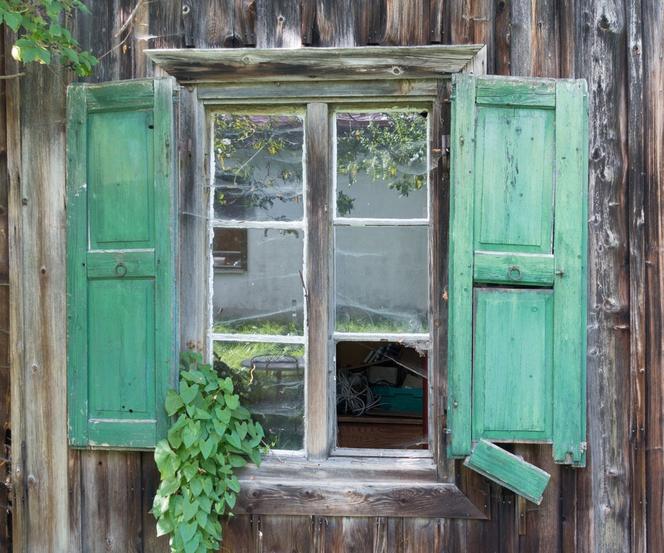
{"x": 188, "y": 393}
{"x": 187, "y": 531}
{"x": 202, "y": 518}
{"x": 207, "y": 485}
{"x": 167, "y": 461}
{"x": 192, "y": 545}
{"x": 196, "y": 486}
{"x": 230, "y": 499}
{"x": 234, "y": 440}
{"x": 194, "y": 376}
{"x": 207, "y": 447}
{"x": 236, "y": 461}
{"x": 232, "y": 401}
{"x": 13, "y": 20}
{"x": 173, "y": 403}
{"x": 189, "y": 509}
{"x": 189, "y": 471}
{"x": 168, "y": 486}
{"x": 164, "y": 526}
{"x": 233, "y": 484}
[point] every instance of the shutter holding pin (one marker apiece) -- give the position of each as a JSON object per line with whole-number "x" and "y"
{"x": 121, "y": 269}
{"x": 514, "y": 273}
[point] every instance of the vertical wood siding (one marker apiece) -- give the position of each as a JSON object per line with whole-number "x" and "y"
{"x": 98, "y": 501}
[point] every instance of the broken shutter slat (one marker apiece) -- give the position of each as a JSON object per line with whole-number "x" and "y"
{"x": 120, "y": 266}
{"x": 508, "y": 470}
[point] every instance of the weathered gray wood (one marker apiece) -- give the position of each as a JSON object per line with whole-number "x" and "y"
{"x": 606, "y": 487}
{"x": 205, "y": 65}
{"x": 284, "y": 533}
{"x": 40, "y": 332}
{"x": 111, "y": 519}
{"x": 344, "y": 498}
{"x": 278, "y": 24}
{"x": 193, "y": 230}
{"x": 298, "y": 92}
{"x": 653, "y": 124}
{"x": 319, "y": 431}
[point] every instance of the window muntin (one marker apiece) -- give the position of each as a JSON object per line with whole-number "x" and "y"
{"x": 257, "y": 316}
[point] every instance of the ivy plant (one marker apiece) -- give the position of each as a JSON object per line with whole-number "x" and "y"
{"x": 212, "y": 436}
{"x": 42, "y": 34}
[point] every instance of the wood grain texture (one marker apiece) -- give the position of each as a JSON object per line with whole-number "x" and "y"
{"x": 526, "y": 38}
{"x": 653, "y": 129}
{"x": 604, "y": 495}
{"x": 319, "y": 430}
{"x": 330, "y": 498}
{"x": 191, "y": 65}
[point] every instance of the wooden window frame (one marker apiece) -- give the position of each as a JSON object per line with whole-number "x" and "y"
{"x": 325, "y": 479}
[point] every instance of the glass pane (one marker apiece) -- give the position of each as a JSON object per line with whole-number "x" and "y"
{"x": 381, "y": 394}
{"x": 381, "y": 279}
{"x": 382, "y": 164}
{"x": 270, "y": 381}
{"x": 267, "y": 296}
{"x": 258, "y": 170}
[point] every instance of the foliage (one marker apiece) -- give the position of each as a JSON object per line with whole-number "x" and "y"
{"x": 212, "y": 436}
{"x": 253, "y": 150}
{"x": 386, "y": 148}
{"x": 389, "y": 147}
{"x": 42, "y": 33}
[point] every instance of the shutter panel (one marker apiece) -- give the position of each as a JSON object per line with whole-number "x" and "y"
{"x": 517, "y": 291}
{"x": 120, "y": 263}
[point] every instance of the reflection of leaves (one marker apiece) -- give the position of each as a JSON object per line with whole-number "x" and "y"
{"x": 389, "y": 147}
{"x": 345, "y": 203}
{"x": 259, "y": 159}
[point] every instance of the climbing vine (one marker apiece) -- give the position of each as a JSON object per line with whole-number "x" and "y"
{"x": 211, "y": 437}
{"x": 42, "y": 34}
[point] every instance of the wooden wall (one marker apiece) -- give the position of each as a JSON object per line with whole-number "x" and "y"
{"x": 72, "y": 501}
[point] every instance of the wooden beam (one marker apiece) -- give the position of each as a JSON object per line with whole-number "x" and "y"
{"x": 354, "y": 498}
{"x": 305, "y": 64}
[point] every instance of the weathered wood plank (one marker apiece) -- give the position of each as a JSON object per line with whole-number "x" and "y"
{"x": 637, "y": 277}
{"x": 283, "y": 533}
{"x": 344, "y": 498}
{"x": 470, "y": 22}
{"x": 41, "y": 268}
{"x": 111, "y": 507}
{"x": 278, "y": 24}
{"x": 604, "y": 490}
{"x": 406, "y": 23}
{"x": 372, "y": 62}
{"x": 320, "y": 413}
{"x": 238, "y": 535}
{"x": 348, "y": 535}
{"x": 653, "y": 125}
{"x": 534, "y": 38}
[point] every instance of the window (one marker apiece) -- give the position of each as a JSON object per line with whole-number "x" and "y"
{"x": 375, "y": 336}
{"x": 378, "y": 285}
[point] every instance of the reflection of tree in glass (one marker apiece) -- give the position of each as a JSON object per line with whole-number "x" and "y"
{"x": 388, "y": 147}
{"x": 259, "y": 159}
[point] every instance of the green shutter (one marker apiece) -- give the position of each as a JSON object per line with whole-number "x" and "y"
{"x": 120, "y": 262}
{"x": 517, "y": 292}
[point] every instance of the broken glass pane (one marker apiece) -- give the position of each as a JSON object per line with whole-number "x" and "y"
{"x": 258, "y": 170}
{"x": 381, "y": 279}
{"x": 269, "y": 378}
{"x": 382, "y": 164}
{"x": 266, "y": 297}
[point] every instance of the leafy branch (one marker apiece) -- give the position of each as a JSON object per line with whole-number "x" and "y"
{"x": 42, "y": 34}
{"x": 212, "y": 436}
